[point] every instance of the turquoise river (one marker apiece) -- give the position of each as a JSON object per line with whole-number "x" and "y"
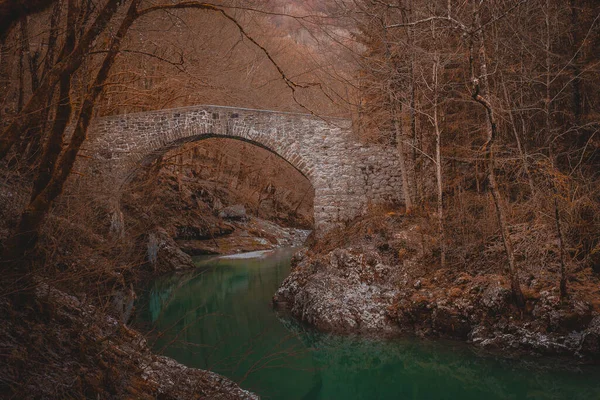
{"x": 219, "y": 317}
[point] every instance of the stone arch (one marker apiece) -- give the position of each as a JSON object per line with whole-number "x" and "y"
{"x": 346, "y": 175}
{"x": 303, "y": 167}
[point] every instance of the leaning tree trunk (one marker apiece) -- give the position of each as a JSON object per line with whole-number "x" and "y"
{"x": 54, "y": 142}
{"x": 32, "y": 111}
{"x": 32, "y": 218}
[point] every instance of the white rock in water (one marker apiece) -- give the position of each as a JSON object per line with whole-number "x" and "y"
{"x": 252, "y": 254}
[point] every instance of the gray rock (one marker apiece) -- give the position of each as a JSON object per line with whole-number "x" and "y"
{"x": 164, "y": 254}
{"x": 339, "y": 292}
{"x": 590, "y": 342}
{"x": 122, "y": 304}
{"x": 235, "y": 212}
{"x": 496, "y": 298}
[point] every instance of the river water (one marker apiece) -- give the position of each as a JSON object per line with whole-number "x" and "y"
{"x": 219, "y": 317}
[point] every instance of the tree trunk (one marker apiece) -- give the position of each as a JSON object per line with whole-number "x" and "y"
{"x": 54, "y": 143}
{"x": 402, "y": 159}
{"x": 30, "y": 144}
{"x": 21, "y": 72}
{"x": 398, "y": 134}
{"x": 522, "y": 152}
{"x": 547, "y": 100}
{"x": 508, "y": 246}
{"x": 576, "y": 98}
{"x": 31, "y": 113}
{"x": 37, "y": 135}
{"x": 52, "y": 37}
{"x": 438, "y": 165}
{"x": 31, "y": 60}
{"x": 563, "y": 273}
{"x": 4, "y": 78}
{"x": 416, "y": 158}
{"x": 34, "y": 214}
{"x": 479, "y": 91}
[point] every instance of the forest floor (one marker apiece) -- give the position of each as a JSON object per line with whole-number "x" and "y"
{"x": 380, "y": 277}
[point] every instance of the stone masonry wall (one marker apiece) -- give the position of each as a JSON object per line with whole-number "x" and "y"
{"x": 346, "y": 175}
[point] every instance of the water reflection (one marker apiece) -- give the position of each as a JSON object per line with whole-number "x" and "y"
{"x": 219, "y": 317}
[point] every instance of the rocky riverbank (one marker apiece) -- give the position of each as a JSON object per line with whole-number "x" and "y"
{"x": 71, "y": 339}
{"x": 174, "y": 217}
{"x": 381, "y": 284}
{"x": 74, "y": 347}
{"x": 63, "y": 344}
{"x": 165, "y": 253}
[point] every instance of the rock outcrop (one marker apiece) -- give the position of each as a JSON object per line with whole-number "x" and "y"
{"x": 342, "y": 291}
{"x": 236, "y": 212}
{"x": 356, "y": 290}
{"x": 590, "y": 342}
{"x": 164, "y": 254}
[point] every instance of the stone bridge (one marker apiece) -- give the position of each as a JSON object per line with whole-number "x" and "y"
{"x": 346, "y": 175}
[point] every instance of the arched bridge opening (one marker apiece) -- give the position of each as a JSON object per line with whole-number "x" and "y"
{"x": 211, "y": 174}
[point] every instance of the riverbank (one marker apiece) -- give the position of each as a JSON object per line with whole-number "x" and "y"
{"x": 376, "y": 279}
{"x": 175, "y": 216}
{"x": 165, "y": 253}
{"x": 71, "y": 337}
{"x": 230, "y": 328}
{"x": 61, "y": 345}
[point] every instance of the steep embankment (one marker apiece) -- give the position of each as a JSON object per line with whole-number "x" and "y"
{"x": 72, "y": 342}
{"x": 216, "y": 197}
{"x": 71, "y": 338}
{"x": 63, "y": 347}
{"x": 375, "y": 278}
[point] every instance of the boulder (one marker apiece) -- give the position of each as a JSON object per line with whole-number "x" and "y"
{"x": 164, "y": 254}
{"x": 447, "y": 321}
{"x": 122, "y": 303}
{"x": 339, "y": 292}
{"x": 496, "y": 299}
{"x": 236, "y": 212}
{"x": 590, "y": 342}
